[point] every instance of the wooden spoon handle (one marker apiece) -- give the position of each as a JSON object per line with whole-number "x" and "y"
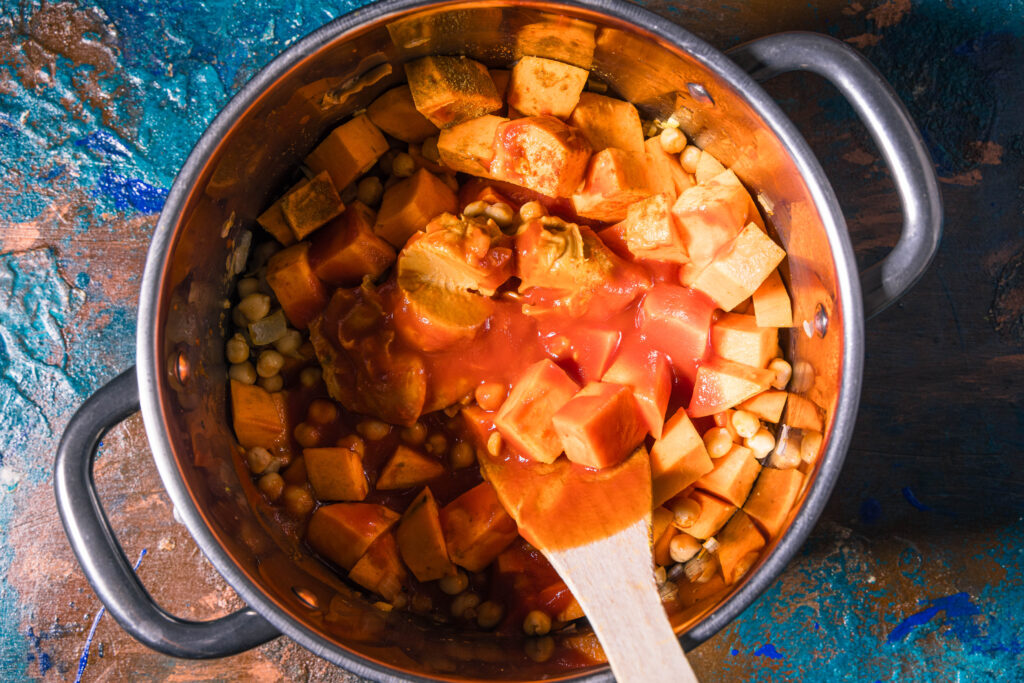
{"x": 613, "y": 581}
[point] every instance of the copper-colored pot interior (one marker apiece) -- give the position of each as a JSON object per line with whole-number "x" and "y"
{"x": 251, "y": 166}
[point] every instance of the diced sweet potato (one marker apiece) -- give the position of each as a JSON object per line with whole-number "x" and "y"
{"x": 709, "y": 216}
{"x": 301, "y": 293}
{"x": 740, "y": 267}
{"x": 346, "y": 250}
{"x": 450, "y": 90}
{"x": 665, "y": 172}
{"x": 650, "y": 230}
{"x": 421, "y": 541}
{"x": 296, "y": 473}
{"x": 379, "y": 569}
{"x": 524, "y": 419}
{"x": 410, "y": 204}
{"x": 395, "y": 113}
{"x": 648, "y": 374}
{"x": 478, "y": 424}
{"x": 738, "y": 338}
{"x": 707, "y": 167}
{"x": 501, "y": 78}
{"x": 477, "y": 528}
{"x": 803, "y": 413}
{"x": 615, "y": 179}
{"x": 469, "y": 146}
{"x": 343, "y": 531}
{"x": 772, "y": 306}
{"x": 767, "y": 405}
{"x": 677, "y": 321}
{"x": 608, "y": 122}
{"x": 714, "y": 513}
{"x": 592, "y": 350}
{"x": 540, "y": 153}
{"x": 740, "y": 544}
{"x": 722, "y": 384}
{"x": 308, "y": 207}
{"x": 678, "y": 458}
{"x": 662, "y": 532}
{"x": 600, "y": 425}
{"x": 407, "y": 468}
{"x": 733, "y": 475}
{"x": 348, "y": 151}
{"x": 772, "y": 498}
{"x": 273, "y": 221}
{"x": 543, "y": 86}
{"x": 259, "y": 417}
{"x": 336, "y": 473}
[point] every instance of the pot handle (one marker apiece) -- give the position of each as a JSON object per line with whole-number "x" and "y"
{"x": 892, "y": 129}
{"x": 102, "y": 558}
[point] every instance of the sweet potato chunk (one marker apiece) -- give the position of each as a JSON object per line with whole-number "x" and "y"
{"x": 738, "y": 338}
{"x": 308, "y": 207}
{"x": 296, "y": 286}
{"x": 710, "y": 215}
{"x": 524, "y": 420}
{"x": 767, "y": 405}
{"x": 600, "y": 425}
{"x": 335, "y": 473}
{"x": 421, "y": 541}
{"x": 409, "y": 205}
{"x": 708, "y": 167}
{"x": 395, "y": 113}
{"x": 615, "y": 179}
{"x": 648, "y": 374}
{"x": 590, "y": 349}
{"x": 733, "y": 475}
{"x": 343, "y": 531}
{"x": 407, "y": 468}
{"x": 379, "y": 569}
{"x": 477, "y": 528}
{"x": 650, "y": 230}
{"x": 469, "y": 146}
{"x": 714, "y": 513}
{"x": 772, "y": 306}
{"x": 666, "y": 174}
{"x": 678, "y": 458}
{"x": 803, "y": 413}
{"x": 662, "y": 532}
{"x": 540, "y": 153}
{"x": 772, "y": 498}
{"x": 273, "y": 221}
{"x": 477, "y": 424}
{"x": 348, "y": 151}
{"x": 722, "y": 384}
{"x": 450, "y": 90}
{"x": 543, "y": 86}
{"x": 346, "y": 250}
{"x": 677, "y": 321}
{"x": 259, "y": 417}
{"x": 608, "y": 122}
{"x": 740, "y": 268}
{"x": 740, "y": 544}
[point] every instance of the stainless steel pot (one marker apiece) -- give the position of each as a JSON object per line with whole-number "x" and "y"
{"x": 239, "y": 164}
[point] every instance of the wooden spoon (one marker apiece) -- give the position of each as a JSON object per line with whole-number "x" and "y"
{"x": 594, "y": 527}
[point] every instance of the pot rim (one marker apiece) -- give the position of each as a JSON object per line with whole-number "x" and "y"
{"x": 149, "y": 354}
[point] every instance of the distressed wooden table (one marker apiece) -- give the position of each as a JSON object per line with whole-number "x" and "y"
{"x": 913, "y": 572}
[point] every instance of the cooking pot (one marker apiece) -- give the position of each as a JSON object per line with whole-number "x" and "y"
{"x": 240, "y": 164}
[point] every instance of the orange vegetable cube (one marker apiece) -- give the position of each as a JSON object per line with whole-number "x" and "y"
{"x": 343, "y": 531}
{"x": 260, "y": 418}
{"x": 295, "y": 285}
{"x": 710, "y": 215}
{"x": 650, "y": 230}
{"x": 608, "y": 122}
{"x": 395, "y": 113}
{"x": 740, "y": 545}
{"x": 308, "y": 207}
{"x": 738, "y": 338}
{"x": 714, "y": 513}
{"x": 772, "y": 499}
{"x": 524, "y": 419}
{"x": 477, "y": 424}
{"x": 591, "y": 350}
{"x": 420, "y": 539}
{"x": 662, "y": 533}
{"x": 348, "y": 151}
{"x": 648, "y": 375}
{"x": 273, "y": 221}
{"x": 677, "y": 322}
{"x": 803, "y": 413}
{"x": 678, "y": 458}
{"x": 296, "y": 473}
{"x": 477, "y": 528}
{"x": 540, "y": 153}
{"x": 410, "y": 204}
{"x": 379, "y": 569}
{"x": 346, "y": 250}
{"x": 600, "y": 425}
{"x": 543, "y": 86}
{"x": 469, "y": 146}
{"x": 767, "y": 405}
{"x": 722, "y": 384}
{"x": 708, "y": 167}
{"x": 450, "y": 90}
{"x": 733, "y": 475}
{"x": 336, "y": 473}
{"x": 740, "y": 268}
{"x": 407, "y": 468}
{"x": 772, "y": 306}
{"x": 615, "y": 179}
{"x": 665, "y": 172}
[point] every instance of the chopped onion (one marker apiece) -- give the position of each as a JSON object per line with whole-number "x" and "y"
{"x": 269, "y": 329}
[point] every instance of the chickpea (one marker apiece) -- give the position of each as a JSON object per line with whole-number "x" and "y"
{"x": 689, "y": 159}
{"x": 403, "y": 165}
{"x": 489, "y": 615}
{"x": 537, "y": 623}
{"x": 810, "y": 446}
{"x": 271, "y": 485}
{"x": 683, "y": 547}
{"x": 745, "y": 423}
{"x": 297, "y": 501}
{"x": 474, "y": 209}
{"x": 322, "y": 412}
{"x": 421, "y": 603}
{"x": 414, "y": 435}
{"x": 272, "y": 384}
{"x": 464, "y": 605}
{"x": 717, "y": 441}
{"x": 237, "y": 349}
{"x": 269, "y": 363}
{"x": 762, "y": 443}
{"x": 490, "y": 395}
{"x": 348, "y": 194}
{"x": 660, "y": 576}
{"x": 373, "y": 430}
{"x": 461, "y": 456}
{"x": 787, "y": 453}
{"x": 453, "y": 584}
{"x": 494, "y": 443}
{"x": 238, "y": 319}
{"x": 429, "y": 150}
{"x": 354, "y": 443}
{"x": 243, "y": 372}
{"x": 783, "y": 372}
{"x": 370, "y": 190}
{"x": 531, "y": 210}
{"x": 247, "y": 286}
{"x": 540, "y": 649}
{"x": 437, "y": 444}
{"x": 289, "y": 343}
{"x": 672, "y": 140}
{"x": 685, "y": 512}
{"x": 501, "y": 213}
{"x": 307, "y": 435}
{"x": 255, "y": 306}
{"x": 310, "y": 377}
{"x": 258, "y": 459}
